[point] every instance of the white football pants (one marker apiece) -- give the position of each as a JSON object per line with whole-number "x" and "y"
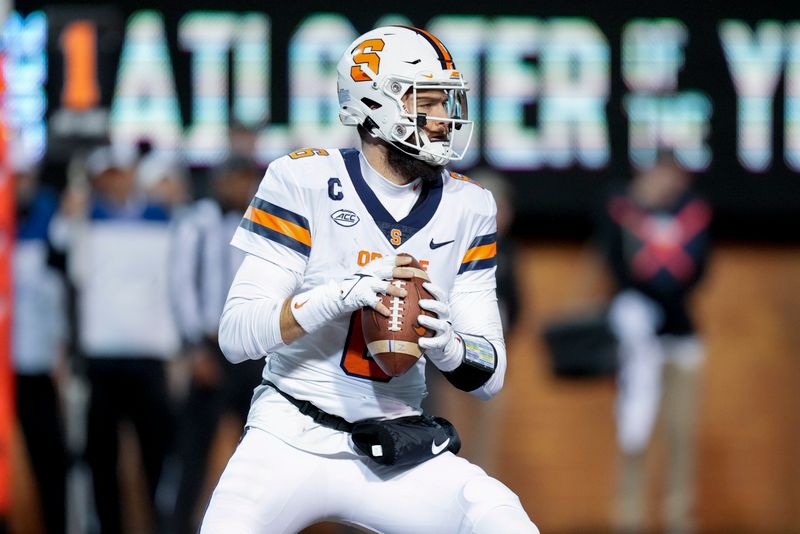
{"x": 270, "y": 487}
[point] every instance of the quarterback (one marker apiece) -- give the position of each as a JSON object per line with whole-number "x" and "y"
{"x": 322, "y": 237}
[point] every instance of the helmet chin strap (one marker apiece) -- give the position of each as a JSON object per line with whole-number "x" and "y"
{"x": 426, "y": 144}
{"x": 422, "y": 152}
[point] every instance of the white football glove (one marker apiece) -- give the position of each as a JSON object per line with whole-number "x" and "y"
{"x": 322, "y": 304}
{"x": 445, "y": 349}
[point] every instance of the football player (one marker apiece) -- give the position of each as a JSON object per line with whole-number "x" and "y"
{"x": 322, "y": 237}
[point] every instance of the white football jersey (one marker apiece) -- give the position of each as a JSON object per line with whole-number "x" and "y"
{"x": 315, "y": 214}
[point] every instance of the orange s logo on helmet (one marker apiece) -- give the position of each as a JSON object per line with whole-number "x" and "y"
{"x": 365, "y": 55}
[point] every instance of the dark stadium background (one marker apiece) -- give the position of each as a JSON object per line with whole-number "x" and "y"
{"x": 551, "y": 203}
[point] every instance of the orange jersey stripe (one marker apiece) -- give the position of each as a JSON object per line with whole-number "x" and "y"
{"x": 482, "y": 252}
{"x": 298, "y": 233}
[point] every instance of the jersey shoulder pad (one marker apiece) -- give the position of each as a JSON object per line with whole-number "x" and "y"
{"x": 306, "y": 153}
{"x": 306, "y": 165}
{"x": 472, "y": 196}
{"x": 462, "y": 178}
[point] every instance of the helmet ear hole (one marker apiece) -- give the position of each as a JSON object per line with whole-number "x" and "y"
{"x": 371, "y": 104}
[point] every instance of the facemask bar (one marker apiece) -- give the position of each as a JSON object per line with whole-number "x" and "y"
{"x": 460, "y": 128}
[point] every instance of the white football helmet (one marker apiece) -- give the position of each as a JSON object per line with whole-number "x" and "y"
{"x": 379, "y": 68}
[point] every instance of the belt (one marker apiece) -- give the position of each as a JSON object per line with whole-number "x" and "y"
{"x": 306, "y": 408}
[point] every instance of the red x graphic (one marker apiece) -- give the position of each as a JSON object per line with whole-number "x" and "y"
{"x": 663, "y": 238}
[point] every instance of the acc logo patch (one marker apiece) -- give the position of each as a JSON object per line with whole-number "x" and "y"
{"x": 345, "y": 218}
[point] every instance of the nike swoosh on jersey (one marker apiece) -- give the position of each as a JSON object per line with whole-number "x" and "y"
{"x": 298, "y": 305}
{"x": 434, "y": 246}
{"x": 436, "y": 449}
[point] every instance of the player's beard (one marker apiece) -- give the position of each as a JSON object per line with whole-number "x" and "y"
{"x": 410, "y": 167}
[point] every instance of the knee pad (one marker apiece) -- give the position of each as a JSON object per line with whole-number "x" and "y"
{"x": 490, "y": 507}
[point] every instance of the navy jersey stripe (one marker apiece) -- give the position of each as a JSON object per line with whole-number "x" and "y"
{"x": 278, "y": 211}
{"x": 272, "y": 235}
{"x": 477, "y": 265}
{"x": 481, "y": 240}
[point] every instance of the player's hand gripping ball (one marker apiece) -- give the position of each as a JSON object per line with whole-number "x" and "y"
{"x": 392, "y": 340}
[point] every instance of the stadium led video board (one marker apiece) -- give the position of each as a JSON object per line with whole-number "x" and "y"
{"x": 566, "y": 98}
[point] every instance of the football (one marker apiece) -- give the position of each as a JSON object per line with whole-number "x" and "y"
{"x": 392, "y": 341}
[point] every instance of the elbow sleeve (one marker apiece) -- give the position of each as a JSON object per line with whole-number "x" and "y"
{"x": 250, "y": 329}
{"x": 250, "y": 324}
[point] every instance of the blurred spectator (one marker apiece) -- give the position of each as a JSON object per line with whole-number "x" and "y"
{"x": 202, "y": 270}
{"x": 655, "y": 241}
{"x": 118, "y": 245}
{"x": 39, "y": 334}
{"x": 163, "y": 179}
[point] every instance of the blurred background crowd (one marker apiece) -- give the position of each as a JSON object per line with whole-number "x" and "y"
{"x": 645, "y": 163}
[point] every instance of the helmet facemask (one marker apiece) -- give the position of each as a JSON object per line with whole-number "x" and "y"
{"x": 409, "y": 135}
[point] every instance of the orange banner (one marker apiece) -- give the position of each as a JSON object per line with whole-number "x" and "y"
{"x": 6, "y": 248}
